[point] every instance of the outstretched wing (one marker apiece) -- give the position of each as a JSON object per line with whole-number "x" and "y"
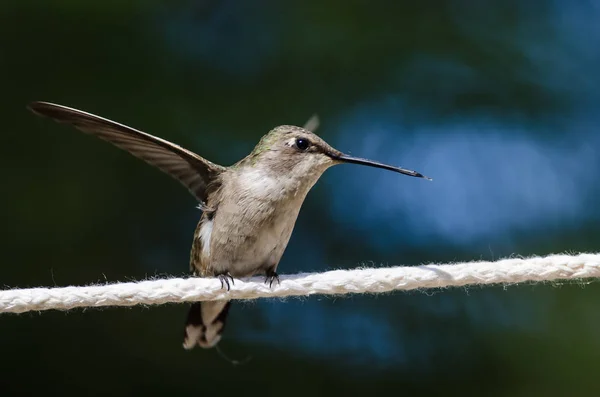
{"x": 312, "y": 124}
{"x": 193, "y": 171}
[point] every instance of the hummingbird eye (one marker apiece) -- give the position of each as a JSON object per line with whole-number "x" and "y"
{"x": 302, "y": 143}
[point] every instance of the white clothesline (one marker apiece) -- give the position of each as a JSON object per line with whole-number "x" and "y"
{"x": 335, "y": 282}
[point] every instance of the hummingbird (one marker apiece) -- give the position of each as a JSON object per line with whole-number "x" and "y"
{"x": 248, "y": 209}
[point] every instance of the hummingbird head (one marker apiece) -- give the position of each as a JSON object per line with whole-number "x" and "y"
{"x": 289, "y": 149}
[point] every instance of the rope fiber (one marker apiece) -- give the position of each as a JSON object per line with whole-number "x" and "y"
{"x": 336, "y": 282}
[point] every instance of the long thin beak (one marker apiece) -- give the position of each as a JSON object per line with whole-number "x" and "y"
{"x": 370, "y": 163}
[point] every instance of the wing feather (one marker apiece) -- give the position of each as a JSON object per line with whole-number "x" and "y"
{"x": 191, "y": 170}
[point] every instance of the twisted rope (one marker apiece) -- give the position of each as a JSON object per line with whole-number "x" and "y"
{"x": 335, "y": 282}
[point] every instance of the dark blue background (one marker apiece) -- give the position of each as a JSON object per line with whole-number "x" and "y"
{"x": 496, "y": 100}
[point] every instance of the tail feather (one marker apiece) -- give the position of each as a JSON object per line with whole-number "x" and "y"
{"x": 205, "y": 324}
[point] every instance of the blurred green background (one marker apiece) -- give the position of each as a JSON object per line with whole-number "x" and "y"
{"x": 496, "y": 100}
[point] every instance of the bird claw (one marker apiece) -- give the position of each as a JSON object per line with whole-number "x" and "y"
{"x": 272, "y": 276}
{"x": 224, "y": 279}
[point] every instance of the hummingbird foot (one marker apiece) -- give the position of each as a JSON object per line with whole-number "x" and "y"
{"x": 224, "y": 278}
{"x": 272, "y": 276}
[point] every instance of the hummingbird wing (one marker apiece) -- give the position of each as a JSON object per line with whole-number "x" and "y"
{"x": 193, "y": 171}
{"x": 312, "y": 124}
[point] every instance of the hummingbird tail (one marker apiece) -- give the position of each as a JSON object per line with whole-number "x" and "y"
{"x": 205, "y": 324}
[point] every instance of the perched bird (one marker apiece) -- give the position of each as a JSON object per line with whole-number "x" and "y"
{"x": 248, "y": 209}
